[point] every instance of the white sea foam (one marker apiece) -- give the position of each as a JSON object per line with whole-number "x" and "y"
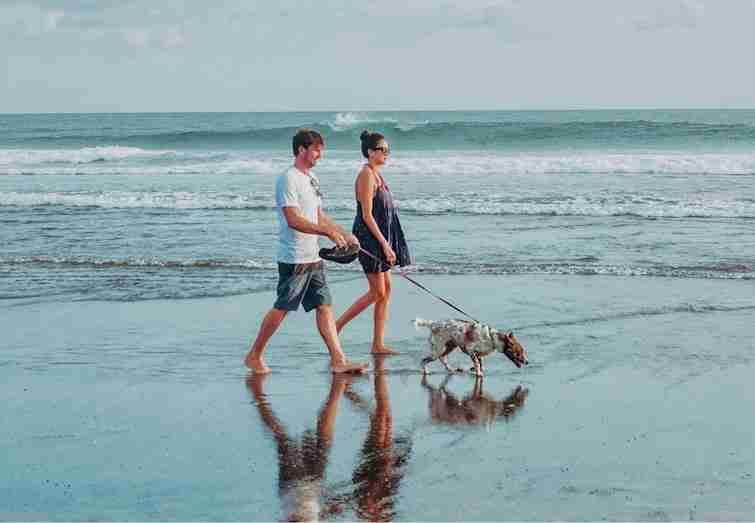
{"x": 128, "y": 199}
{"x": 11, "y": 157}
{"x": 440, "y": 204}
{"x": 608, "y": 205}
{"x": 595, "y": 163}
{"x": 132, "y": 160}
{"x": 193, "y": 165}
{"x": 350, "y": 120}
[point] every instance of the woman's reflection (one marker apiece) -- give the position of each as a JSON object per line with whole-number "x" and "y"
{"x": 301, "y": 465}
{"x": 383, "y": 457}
{"x": 476, "y": 408}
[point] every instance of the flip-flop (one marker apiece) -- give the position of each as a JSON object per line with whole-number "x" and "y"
{"x": 340, "y": 254}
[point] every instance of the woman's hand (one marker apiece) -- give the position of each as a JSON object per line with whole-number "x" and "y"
{"x": 389, "y": 254}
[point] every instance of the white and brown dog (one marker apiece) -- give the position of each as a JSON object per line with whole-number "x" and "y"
{"x": 476, "y": 340}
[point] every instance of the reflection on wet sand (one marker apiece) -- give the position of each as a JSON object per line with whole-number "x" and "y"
{"x": 381, "y": 464}
{"x": 383, "y": 457}
{"x": 301, "y": 465}
{"x": 476, "y": 408}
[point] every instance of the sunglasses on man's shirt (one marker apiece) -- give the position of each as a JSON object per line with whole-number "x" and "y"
{"x": 315, "y": 186}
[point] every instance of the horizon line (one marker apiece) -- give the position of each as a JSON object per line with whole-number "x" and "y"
{"x": 293, "y": 111}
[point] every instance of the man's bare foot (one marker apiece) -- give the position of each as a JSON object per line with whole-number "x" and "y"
{"x": 383, "y": 350}
{"x": 348, "y": 367}
{"x": 256, "y": 364}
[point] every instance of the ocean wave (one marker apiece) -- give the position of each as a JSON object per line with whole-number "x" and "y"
{"x": 136, "y": 263}
{"x": 348, "y": 121}
{"x": 84, "y": 155}
{"x": 129, "y": 161}
{"x": 720, "y": 271}
{"x": 344, "y": 128}
{"x": 437, "y": 266}
{"x": 585, "y": 163}
{"x": 640, "y": 207}
{"x": 150, "y": 200}
{"x": 465, "y": 203}
{"x": 194, "y": 166}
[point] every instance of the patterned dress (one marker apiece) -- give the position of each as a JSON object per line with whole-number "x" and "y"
{"x": 385, "y": 214}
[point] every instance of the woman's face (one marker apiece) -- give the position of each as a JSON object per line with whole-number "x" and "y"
{"x": 380, "y": 153}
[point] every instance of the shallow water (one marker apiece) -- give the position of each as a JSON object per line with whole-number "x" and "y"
{"x": 635, "y": 406}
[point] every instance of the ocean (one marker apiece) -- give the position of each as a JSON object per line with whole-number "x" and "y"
{"x": 129, "y": 207}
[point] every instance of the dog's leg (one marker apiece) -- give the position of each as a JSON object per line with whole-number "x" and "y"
{"x": 450, "y": 347}
{"x": 433, "y": 351}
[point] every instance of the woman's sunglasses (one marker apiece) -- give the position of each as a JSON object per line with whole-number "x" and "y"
{"x": 384, "y": 150}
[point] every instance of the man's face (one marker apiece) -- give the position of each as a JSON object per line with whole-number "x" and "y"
{"x": 311, "y": 154}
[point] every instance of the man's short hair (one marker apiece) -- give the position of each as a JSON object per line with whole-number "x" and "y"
{"x": 305, "y": 138}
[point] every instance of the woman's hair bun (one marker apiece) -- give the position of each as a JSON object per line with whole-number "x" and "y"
{"x": 365, "y": 134}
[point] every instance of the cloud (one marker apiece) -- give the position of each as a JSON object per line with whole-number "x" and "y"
{"x": 160, "y": 38}
{"x": 672, "y": 15}
{"x": 138, "y": 38}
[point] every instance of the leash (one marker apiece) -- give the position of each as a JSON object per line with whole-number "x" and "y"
{"x": 418, "y": 284}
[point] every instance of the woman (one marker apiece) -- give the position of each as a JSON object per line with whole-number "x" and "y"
{"x": 378, "y": 229}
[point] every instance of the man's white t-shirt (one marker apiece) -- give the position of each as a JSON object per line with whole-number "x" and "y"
{"x": 293, "y": 188}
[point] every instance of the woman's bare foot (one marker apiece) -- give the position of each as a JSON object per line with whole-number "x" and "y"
{"x": 257, "y": 364}
{"x": 348, "y": 367}
{"x": 383, "y": 349}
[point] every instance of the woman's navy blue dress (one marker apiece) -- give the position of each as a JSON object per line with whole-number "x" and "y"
{"x": 385, "y": 214}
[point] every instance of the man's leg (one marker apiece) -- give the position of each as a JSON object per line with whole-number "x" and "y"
{"x": 269, "y": 325}
{"x": 327, "y": 327}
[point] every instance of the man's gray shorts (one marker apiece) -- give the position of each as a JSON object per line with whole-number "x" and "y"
{"x": 302, "y": 283}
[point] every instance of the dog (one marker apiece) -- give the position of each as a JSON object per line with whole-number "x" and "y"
{"x": 476, "y": 340}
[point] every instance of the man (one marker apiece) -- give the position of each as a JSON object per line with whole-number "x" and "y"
{"x": 301, "y": 272}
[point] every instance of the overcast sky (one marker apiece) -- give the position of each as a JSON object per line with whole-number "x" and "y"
{"x": 165, "y": 55}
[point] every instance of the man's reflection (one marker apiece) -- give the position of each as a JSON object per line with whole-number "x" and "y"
{"x": 476, "y": 408}
{"x": 301, "y": 465}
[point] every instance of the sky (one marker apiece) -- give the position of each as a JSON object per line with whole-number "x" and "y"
{"x": 281, "y": 55}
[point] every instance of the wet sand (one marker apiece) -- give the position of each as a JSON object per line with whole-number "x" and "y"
{"x": 636, "y": 406}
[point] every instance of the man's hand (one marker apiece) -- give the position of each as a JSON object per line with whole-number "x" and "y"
{"x": 352, "y": 240}
{"x": 337, "y": 238}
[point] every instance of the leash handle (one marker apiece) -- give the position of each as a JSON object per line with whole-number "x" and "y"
{"x": 418, "y": 284}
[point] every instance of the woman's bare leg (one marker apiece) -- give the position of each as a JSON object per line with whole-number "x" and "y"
{"x": 364, "y": 301}
{"x": 380, "y": 283}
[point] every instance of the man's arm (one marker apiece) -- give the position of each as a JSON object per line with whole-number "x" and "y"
{"x": 328, "y": 222}
{"x": 296, "y": 221}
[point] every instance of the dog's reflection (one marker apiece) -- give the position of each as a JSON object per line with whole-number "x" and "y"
{"x": 476, "y": 408}
{"x": 380, "y": 467}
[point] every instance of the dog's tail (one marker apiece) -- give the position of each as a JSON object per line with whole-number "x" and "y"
{"x": 419, "y": 322}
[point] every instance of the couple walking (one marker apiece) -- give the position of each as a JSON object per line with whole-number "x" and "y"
{"x": 301, "y": 271}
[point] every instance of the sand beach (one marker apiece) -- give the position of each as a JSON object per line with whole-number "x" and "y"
{"x": 635, "y": 407}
